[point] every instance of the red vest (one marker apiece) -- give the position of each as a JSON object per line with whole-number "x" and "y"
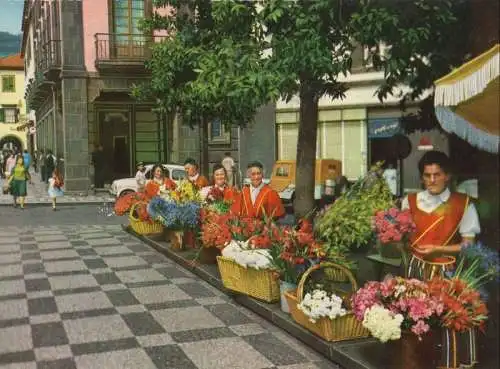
{"x": 265, "y": 203}
{"x": 440, "y": 227}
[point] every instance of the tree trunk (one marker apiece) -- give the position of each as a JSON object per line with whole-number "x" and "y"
{"x": 306, "y": 153}
{"x": 204, "y": 148}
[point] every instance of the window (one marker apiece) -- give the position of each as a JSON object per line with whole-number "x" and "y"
{"x": 282, "y": 171}
{"x": 9, "y": 114}
{"x": 8, "y": 83}
{"x": 218, "y": 133}
{"x": 126, "y": 16}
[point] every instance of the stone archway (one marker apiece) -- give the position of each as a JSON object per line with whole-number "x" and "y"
{"x": 10, "y": 142}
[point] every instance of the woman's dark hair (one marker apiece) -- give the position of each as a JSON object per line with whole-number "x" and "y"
{"x": 216, "y": 167}
{"x": 153, "y": 170}
{"x": 255, "y": 164}
{"x": 435, "y": 157}
{"x": 191, "y": 161}
{"x": 20, "y": 157}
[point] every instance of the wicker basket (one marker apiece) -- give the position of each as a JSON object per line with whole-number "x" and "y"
{"x": 141, "y": 227}
{"x": 258, "y": 283}
{"x": 342, "y": 328}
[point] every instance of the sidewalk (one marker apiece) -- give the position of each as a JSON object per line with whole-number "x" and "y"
{"x": 37, "y": 194}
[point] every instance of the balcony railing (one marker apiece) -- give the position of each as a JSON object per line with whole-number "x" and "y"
{"x": 49, "y": 56}
{"x": 119, "y": 47}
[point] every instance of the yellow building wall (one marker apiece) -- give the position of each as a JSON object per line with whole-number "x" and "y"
{"x": 14, "y": 98}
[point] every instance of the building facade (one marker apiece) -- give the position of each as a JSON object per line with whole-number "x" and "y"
{"x": 82, "y": 59}
{"x": 12, "y": 104}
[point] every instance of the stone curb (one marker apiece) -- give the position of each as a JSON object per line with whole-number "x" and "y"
{"x": 271, "y": 312}
{"x": 67, "y": 203}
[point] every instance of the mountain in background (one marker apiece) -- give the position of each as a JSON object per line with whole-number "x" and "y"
{"x": 9, "y": 43}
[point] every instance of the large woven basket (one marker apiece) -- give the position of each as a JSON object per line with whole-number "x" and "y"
{"x": 142, "y": 227}
{"x": 342, "y": 328}
{"x": 259, "y": 283}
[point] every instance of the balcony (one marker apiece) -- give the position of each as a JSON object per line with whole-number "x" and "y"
{"x": 49, "y": 60}
{"x": 123, "y": 52}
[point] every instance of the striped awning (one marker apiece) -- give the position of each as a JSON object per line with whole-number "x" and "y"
{"x": 467, "y": 101}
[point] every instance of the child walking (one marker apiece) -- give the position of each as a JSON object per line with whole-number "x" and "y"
{"x": 55, "y": 187}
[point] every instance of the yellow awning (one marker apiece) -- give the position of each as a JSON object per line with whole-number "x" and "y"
{"x": 467, "y": 101}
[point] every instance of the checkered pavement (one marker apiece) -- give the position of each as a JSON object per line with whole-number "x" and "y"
{"x": 91, "y": 297}
{"x": 37, "y": 194}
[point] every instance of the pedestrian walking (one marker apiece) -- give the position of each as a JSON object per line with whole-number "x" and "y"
{"x": 50, "y": 165}
{"x": 56, "y": 184}
{"x": 18, "y": 178}
{"x": 41, "y": 162}
{"x": 229, "y": 164}
{"x": 98, "y": 161}
{"x": 2, "y": 162}
{"x": 35, "y": 161}
{"x": 27, "y": 159}
{"x": 10, "y": 163}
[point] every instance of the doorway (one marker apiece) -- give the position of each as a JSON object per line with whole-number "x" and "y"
{"x": 114, "y": 136}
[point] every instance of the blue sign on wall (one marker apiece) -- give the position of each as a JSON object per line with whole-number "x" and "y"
{"x": 383, "y": 128}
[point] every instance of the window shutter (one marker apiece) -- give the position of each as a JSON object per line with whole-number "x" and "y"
{"x": 2, "y": 115}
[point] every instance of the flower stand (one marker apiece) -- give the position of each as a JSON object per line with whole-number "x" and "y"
{"x": 143, "y": 227}
{"x": 342, "y": 328}
{"x": 189, "y": 238}
{"x": 285, "y": 287}
{"x": 259, "y": 283}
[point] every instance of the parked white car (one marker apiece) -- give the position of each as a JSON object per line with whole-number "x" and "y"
{"x": 124, "y": 186}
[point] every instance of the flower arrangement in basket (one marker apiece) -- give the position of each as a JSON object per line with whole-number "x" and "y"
{"x": 392, "y": 228}
{"x": 246, "y": 265}
{"x": 214, "y": 199}
{"x": 153, "y": 188}
{"x": 386, "y": 308}
{"x": 136, "y": 204}
{"x": 174, "y": 215}
{"x": 322, "y": 306}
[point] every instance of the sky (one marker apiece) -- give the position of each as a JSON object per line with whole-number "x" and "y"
{"x": 11, "y": 12}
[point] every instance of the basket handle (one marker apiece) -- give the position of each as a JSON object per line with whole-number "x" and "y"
{"x": 302, "y": 282}
{"x": 131, "y": 213}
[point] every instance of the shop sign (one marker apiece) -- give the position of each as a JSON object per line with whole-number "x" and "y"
{"x": 383, "y": 128}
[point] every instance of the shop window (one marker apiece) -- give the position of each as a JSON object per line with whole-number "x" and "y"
{"x": 8, "y": 83}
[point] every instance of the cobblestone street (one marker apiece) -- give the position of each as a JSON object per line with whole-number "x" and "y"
{"x": 91, "y": 296}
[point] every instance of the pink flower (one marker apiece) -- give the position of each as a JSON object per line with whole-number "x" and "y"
{"x": 420, "y": 328}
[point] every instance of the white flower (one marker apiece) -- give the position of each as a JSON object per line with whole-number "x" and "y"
{"x": 318, "y": 305}
{"x": 382, "y": 323}
{"x": 247, "y": 257}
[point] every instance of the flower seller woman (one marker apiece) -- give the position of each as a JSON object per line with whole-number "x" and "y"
{"x": 159, "y": 183}
{"x": 444, "y": 220}
{"x": 193, "y": 173}
{"x": 259, "y": 200}
{"x": 220, "y": 183}
{"x": 18, "y": 178}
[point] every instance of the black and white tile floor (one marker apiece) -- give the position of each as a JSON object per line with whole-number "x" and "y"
{"x": 93, "y": 297}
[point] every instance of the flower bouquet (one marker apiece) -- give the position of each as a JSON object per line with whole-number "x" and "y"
{"x": 174, "y": 215}
{"x": 135, "y": 204}
{"x": 319, "y": 304}
{"x": 392, "y": 228}
{"x": 387, "y": 308}
{"x": 214, "y": 200}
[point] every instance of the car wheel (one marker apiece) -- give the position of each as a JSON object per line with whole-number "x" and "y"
{"x": 125, "y": 192}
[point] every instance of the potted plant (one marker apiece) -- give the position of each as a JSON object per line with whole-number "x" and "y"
{"x": 392, "y": 228}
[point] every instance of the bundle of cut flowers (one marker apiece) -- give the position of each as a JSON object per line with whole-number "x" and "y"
{"x": 393, "y": 225}
{"x": 247, "y": 255}
{"x": 124, "y": 203}
{"x": 174, "y": 215}
{"x": 318, "y": 304}
{"x": 462, "y": 307}
{"x": 153, "y": 189}
{"x": 214, "y": 199}
{"x": 185, "y": 192}
{"x": 386, "y": 308}
{"x": 295, "y": 250}
{"x": 482, "y": 263}
{"x": 217, "y": 230}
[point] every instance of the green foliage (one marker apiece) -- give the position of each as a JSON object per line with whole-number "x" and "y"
{"x": 347, "y": 224}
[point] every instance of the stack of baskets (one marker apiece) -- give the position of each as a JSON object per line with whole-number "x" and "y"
{"x": 342, "y": 328}
{"x": 259, "y": 283}
{"x": 143, "y": 227}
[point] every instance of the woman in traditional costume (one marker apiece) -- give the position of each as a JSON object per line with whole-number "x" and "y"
{"x": 159, "y": 183}
{"x": 258, "y": 200}
{"x": 445, "y": 220}
{"x": 220, "y": 184}
{"x": 193, "y": 174}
